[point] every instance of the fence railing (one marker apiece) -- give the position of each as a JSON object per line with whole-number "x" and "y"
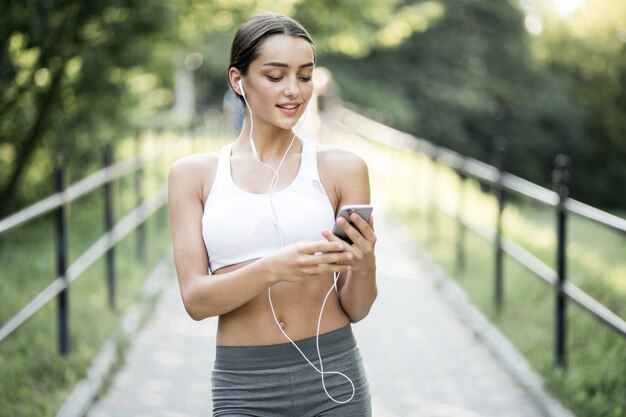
{"x": 502, "y": 184}
{"x": 104, "y": 246}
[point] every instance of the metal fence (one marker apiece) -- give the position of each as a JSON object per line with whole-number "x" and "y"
{"x": 503, "y": 184}
{"x": 58, "y": 204}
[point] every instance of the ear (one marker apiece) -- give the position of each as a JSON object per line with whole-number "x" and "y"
{"x": 234, "y": 76}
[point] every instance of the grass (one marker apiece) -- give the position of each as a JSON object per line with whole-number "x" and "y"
{"x": 595, "y": 380}
{"x": 34, "y": 379}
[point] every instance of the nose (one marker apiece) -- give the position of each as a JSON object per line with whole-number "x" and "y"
{"x": 292, "y": 89}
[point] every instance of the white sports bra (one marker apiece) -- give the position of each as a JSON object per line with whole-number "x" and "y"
{"x": 238, "y": 226}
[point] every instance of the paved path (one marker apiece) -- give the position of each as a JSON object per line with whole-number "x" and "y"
{"x": 421, "y": 359}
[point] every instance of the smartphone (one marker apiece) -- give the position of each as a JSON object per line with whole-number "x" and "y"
{"x": 363, "y": 210}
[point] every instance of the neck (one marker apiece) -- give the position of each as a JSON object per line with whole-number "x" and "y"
{"x": 270, "y": 144}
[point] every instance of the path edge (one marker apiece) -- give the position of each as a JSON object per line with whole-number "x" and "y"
{"x": 499, "y": 345}
{"x": 86, "y": 390}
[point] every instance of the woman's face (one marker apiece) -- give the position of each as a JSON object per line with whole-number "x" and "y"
{"x": 279, "y": 84}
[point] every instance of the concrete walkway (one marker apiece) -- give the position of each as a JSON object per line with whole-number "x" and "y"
{"x": 423, "y": 354}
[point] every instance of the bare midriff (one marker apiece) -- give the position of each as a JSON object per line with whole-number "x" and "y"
{"x": 297, "y": 308}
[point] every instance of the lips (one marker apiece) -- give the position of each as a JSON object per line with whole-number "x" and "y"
{"x": 288, "y": 106}
{"x": 289, "y": 109}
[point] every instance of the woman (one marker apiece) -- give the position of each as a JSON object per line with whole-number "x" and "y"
{"x": 265, "y": 260}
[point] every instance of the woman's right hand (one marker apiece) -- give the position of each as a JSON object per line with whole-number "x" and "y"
{"x": 301, "y": 261}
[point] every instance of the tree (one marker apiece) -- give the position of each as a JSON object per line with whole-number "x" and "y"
{"x": 65, "y": 67}
{"x": 587, "y": 47}
{"x": 476, "y": 73}
{"x": 75, "y": 73}
{"x": 465, "y": 80}
{"x": 349, "y": 29}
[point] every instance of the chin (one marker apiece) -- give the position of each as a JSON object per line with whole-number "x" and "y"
{"x": 287, "y": 125}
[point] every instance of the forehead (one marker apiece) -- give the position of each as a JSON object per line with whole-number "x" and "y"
{"x": 290, "y": 50}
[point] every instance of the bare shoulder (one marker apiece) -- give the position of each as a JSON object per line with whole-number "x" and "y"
{"x": 338, "y": 160}
{"x": 344, "y": 174}
{"x": 195, "y": 162}
{"x": 195, "y": 171}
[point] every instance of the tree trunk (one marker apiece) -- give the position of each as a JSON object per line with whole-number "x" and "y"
{"x": 29, "y": 144}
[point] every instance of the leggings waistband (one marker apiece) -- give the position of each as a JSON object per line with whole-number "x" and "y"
{"x": 284, "y": 354}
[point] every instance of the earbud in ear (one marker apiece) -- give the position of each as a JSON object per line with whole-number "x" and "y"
{"x": 240, "y": 84}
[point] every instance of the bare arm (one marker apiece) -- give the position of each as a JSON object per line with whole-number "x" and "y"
{"x": 357, "y": 288}
{"x": 207, "y": 295}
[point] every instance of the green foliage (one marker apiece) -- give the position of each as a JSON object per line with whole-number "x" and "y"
{"x": 588, "y": 49}
{"x": 36, "y": 380}
{"x": 593, "y": 384}
{"x": 408, "y": 184}
{"x": 346, "y": 28}
{"x": 476, "y": 74}
{"x": 76, "y": 74}
{"x": 464, "y": 81}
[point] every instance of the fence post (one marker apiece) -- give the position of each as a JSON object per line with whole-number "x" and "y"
{"x": 63, "y": 305}
{"x": 108, "y": 226}
{"x": 560, "y": 179}
{"x": 460, "y": 238}
{"x": 498, "y": 189}
{"x": 141, "y": 228}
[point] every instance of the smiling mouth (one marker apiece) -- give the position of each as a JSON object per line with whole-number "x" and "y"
{"x": 288, "y": 106}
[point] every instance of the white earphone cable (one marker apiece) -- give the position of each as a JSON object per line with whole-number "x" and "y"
{"x": 317, "y": 345}
{"x": 273, "y": 185}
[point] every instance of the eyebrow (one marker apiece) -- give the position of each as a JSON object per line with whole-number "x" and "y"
{"x": 283, "y": 65}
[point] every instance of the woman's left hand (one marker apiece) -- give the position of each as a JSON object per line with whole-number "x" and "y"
{"x": 363, "y": 239}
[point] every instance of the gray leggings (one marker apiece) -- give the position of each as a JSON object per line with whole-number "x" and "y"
{"x": 275, "y": 381}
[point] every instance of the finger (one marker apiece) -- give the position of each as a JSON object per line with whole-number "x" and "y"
{"x": 331, "y": 237}
{"x": 323, "y": 247}
{"x": 327, "y": 268}
{"x": 336, "y": 258}
{"x": 351, "y": 231}
{"x": 366, "y": 229}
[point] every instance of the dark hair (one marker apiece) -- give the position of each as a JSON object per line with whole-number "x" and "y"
{"x": 247, "y": 41}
